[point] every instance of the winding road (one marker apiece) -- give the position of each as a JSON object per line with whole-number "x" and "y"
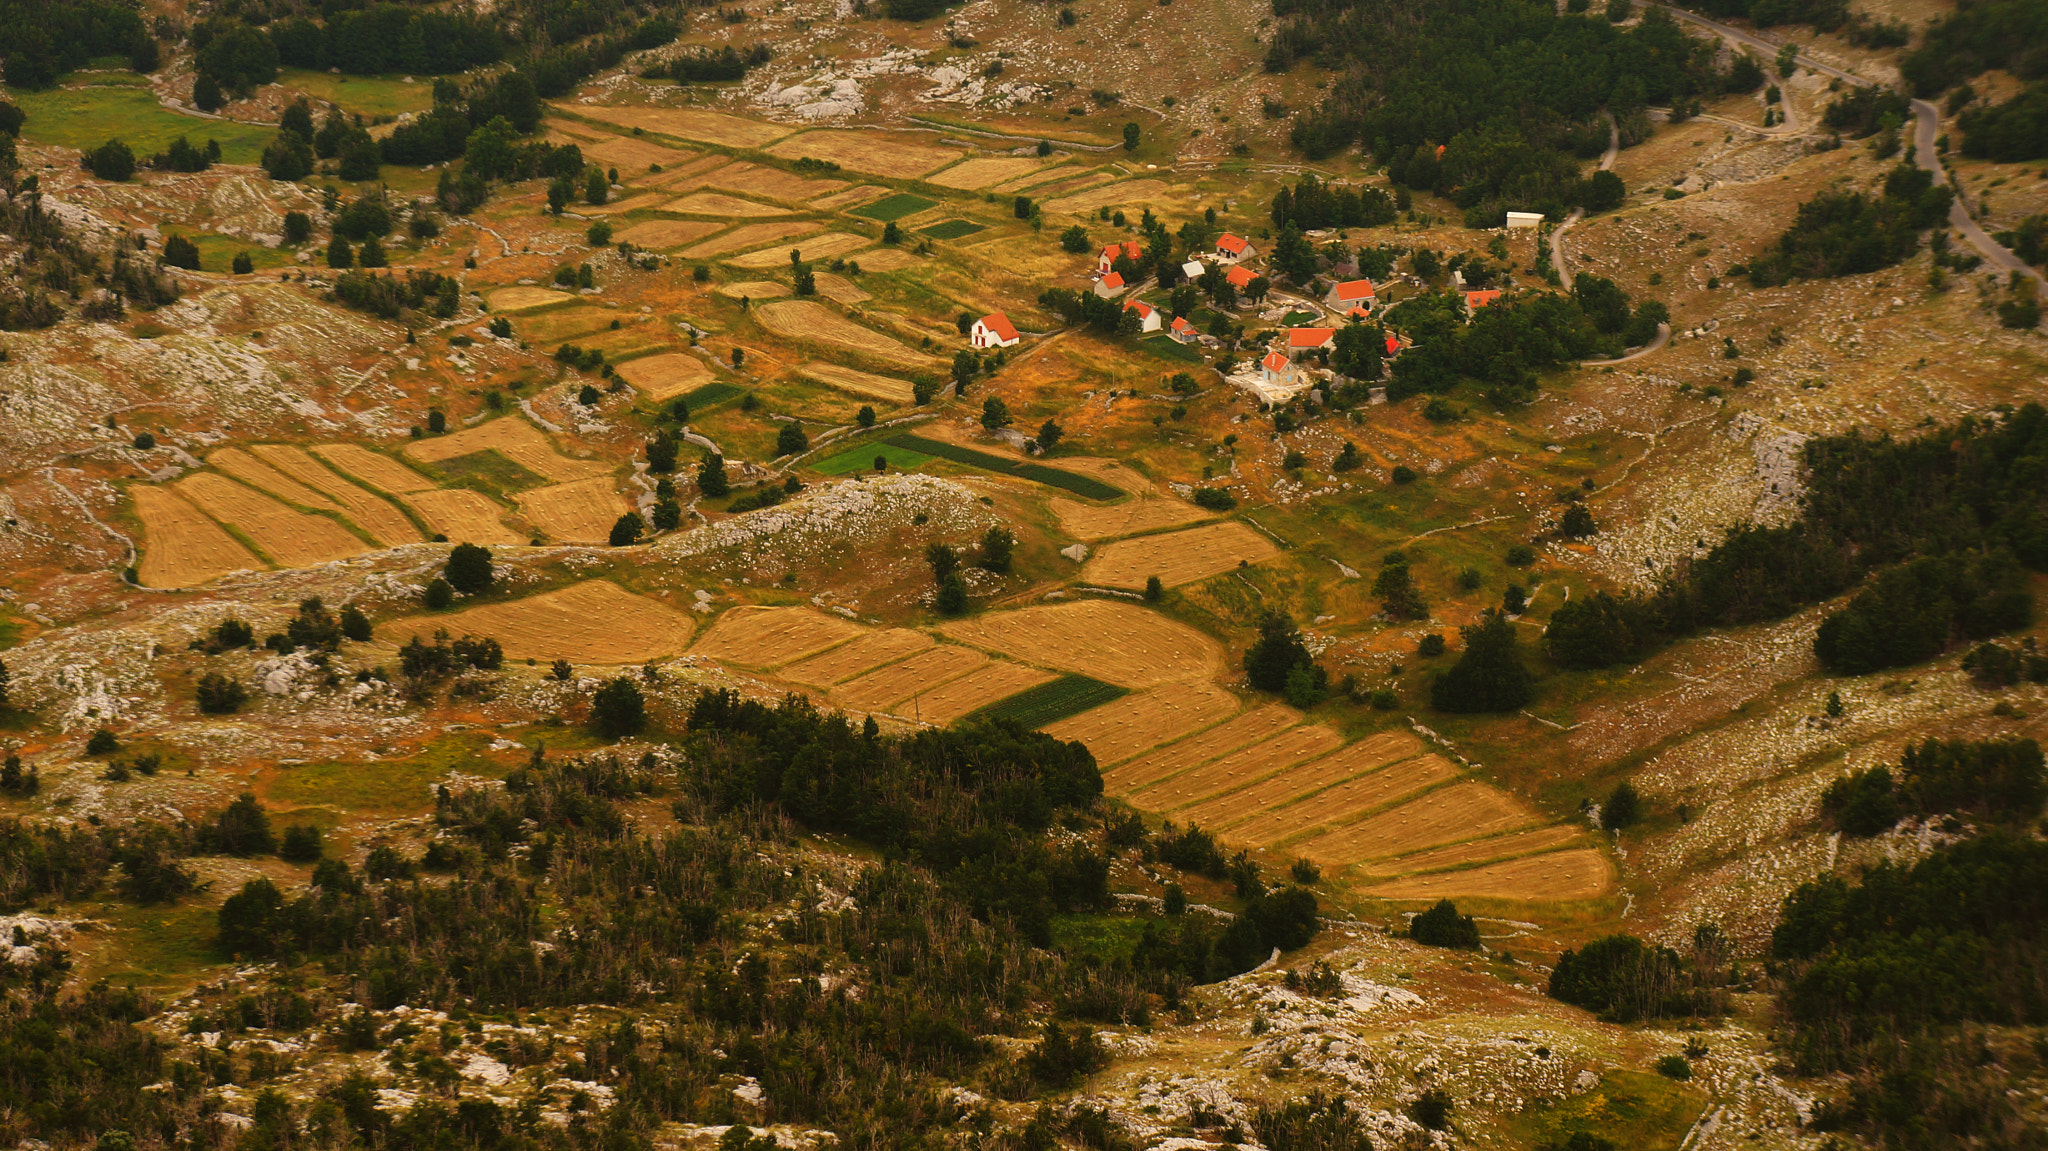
{"x": 1564, "y": 273}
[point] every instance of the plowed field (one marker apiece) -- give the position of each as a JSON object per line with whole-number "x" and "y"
{"x": 1559, "y": 875}
{"x": 859, "y": 383}
{"x": 1347, "y": 800}
{"x": 666, "y": 376}
{"x": 1098, "y": 522}
{"x": 868, "y": 652}
{"x": 465, "y": 517}
{"x": 1446, "y": 815}
{"x": 580, "y": 512}
{"x": 896, "y": 683}
{"x": 995, "y": 681}
{"x": 812, "y": 321}
{"x": 883, "y": 154}
{"x": 516, "y": 440}
{"x": 380, "y": 472}
{"x": 1261, "y": 723}
{"x": 1243, "y": 766}
{"x": 368, "y": 511}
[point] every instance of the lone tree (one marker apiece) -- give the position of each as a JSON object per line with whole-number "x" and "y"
{"x": 994, "y": 414}
{"x": 791, "y": 440}
{"x": 1623, "y": 807}
{"x": 469, "y": 569}
{"x": 1489, "y": 676}
{"x": 1277, "y": 654}
{"x": 998, "y": 550}
{"x": 219, "y": 695}
{"x": 440, "y": 595}
{"x": 711, "y": 477}
{"x": 1578, "y": 522}
{"x": 618, "y": 709}
{"x": 1130, "y": 137}
{"x": 628, "y": 530}
{"x": 1442, "y": 926}
{"x": 1049, "y": 434}
{"x": 1396, "y": 590}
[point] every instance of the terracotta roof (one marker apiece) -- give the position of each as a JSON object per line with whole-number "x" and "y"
{"x": 1359, "y": 314}
{"x": 999, "y": 324}
{"x": 1180, "y": 324}
{"x": 1239, "y": 277}
{"x": 1393, "y": 344}
{"x": 1144, "y": 310}
{"x": 1309, "y": 337}
{"x": 1112, "y": 280}
{"x": 1275, "y": 362}
{"x": 1230, "y": 243}
{"x": 1481, "y": 299}
{"x": 1127, "y": 248}
{"x": 1355, "y": 290}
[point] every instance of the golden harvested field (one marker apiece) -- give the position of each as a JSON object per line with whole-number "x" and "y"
{"x": 546, "y": 329}
{"x": 723, "y": 206}
{"x": 665, "y": 376}
{"x": 1130, "y": 195}
{"x": 1372, "y": 752}
{"x": 1445, "y": 815}
{"x": 594, "y": 622}
{"x": 751, "y": 236}
{"x": 254, "y": 472}
{"x": 859, "y": 383}
{"x": 1560, "y": 875}
{"x": 859, "y": 194}
{"x": 1143, "y": 720}
{"x": 887, "y": 260}
{"x": 839, "y": 289}
{"x": 637, "y": 337}
{"x": 753, "y": 290}
{"x": 814, "y": 249}
{"x": 870, "y": 651}
{"x": 1055, "y": 181}
{"x": 581, "y": 511}
{"x": 1241, "y": 767}
{"x": 979, "y": 172}
{"x": 292, "y": 539}
{"x": 897, "y": 682}
{"x": 181, "y": 547}
{"x": 660, "y": 235}
{"x": 756, "y": 180}
{"x": 465, "y": 517}
{"x": 897, "y": 154}
{"x": 522, "y": 296}
{"x": 1347, "y": 800}
{"x": 367, "y": 510}
{"x": 1115, "y": 642}
{"x": 377, "y": 471}
{"x": 683, "y": 176}
{"x": 516, "y": 440}
{"x": 631, "y": 156}
{"x": 1097, "y": 522}
{"x": 686, "y": 124}
{"x": 771, "y": 636}
{"x": 812, "y": 321}
{"x": 1178, "y": 557}
{"x": 998, "y": 680}
{"x": 1488, "y": 850}
{"x": 645, "y": 201}
{"x": 1201, "y": 747}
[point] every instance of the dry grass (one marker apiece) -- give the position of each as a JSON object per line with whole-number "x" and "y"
{"x": 291, "y": 538}
{"x": 521, "y": 297}
{"x": 888, "y": 260}
{"x": 238, "y": 463}
{"x": 551, "y": 328}
{"x": 1288, "y": 787}
{"x": 378, "y": 471}
{"x": 721, "y": 205}
{"x": 686, "y": 124}
{"x": 1115, "y": 642}
{"x": 594, "y": 622}
{"x": 1243, "y": 766}
{"x": 1489, "y": 850}
{"x": 879, "y": 153}
{"x": 661, "y": 235}
{"x": 772, "y": 636}
{"x": 581, "y": 511}
{"x": 750, "y": 236}
{"x": 1583, "y": 873}
{"x": 644, "y": 202}
{"x": 1201, "y": 747}
{"x": 516, "y": 440}
{"x": 1347, "y": 800}
{"x": 814, "y": 248}
{"x": 754, "y": 290}
{"x": 1053, "y": 182}
{"x": 687, "y": 175}
{"x": 897, "y": 682}
{"x": 865, "y": 654}
{"x": 1099, "y": 522}
{"x": 666, "y": 376}
{"x": 1132, "y": 196}
{"x": 465, "y": 517}
{"x": 859, "y": 383}
{"x": 814, "y": 322}
{"x": 998, "y": 680}
{"x": 979, "y": 172}
{"x": 368, "y": 511}
{"x": 1445, "y": 815}
{"x": 840, "y": 290}
{"x": 631, "y": 156}
{"x": 1143, "y": 720}
{"x": 859, "y": 194}
{"x": 180, "y": 546}
{"x": 1178, "y": 557}
{"x": 774, "y": 183}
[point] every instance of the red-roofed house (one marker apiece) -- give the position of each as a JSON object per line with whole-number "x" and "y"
{"x": 1148, "y": 316}
{"x": 1107, "y": 259}
{"x": 1351, "y": 294}
{"x": 993, "y": 331}
{"x": 1182, "y": 331}
{"x": 1477, "y": 300}
{"x": 1240, "y": 278}
{"x": 1393, "y": 344}
{"x": 1276, "y": 370}
{"x": 1110, "y": 286}
{"x": 1232, "y": 249}
{"x": 1357, "y": 315}
{"x": 1301, "y": 340}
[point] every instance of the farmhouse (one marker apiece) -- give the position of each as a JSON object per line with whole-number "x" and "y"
{"x": 1303, "y": 340}
{"x": 993, "y": 331}
{"x": 1148, "y": 316}
{"x": 1182, "y": 331}
{"x": 1240, "y": 278}
{"x": 1110, "y": 286}
{"x": 1107, "y": 260}
{"x": 1276, "y": 371}
{"x": 1234, "y": 249}
{"x": 1477, "y": 300}
{"x": 1350, "y": 295}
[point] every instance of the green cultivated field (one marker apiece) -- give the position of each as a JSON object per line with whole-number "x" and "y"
{"x": 1083, "y": 486}
{"x": 895, "y": 207}
{"x": 369, "y": 95}
{"x": 709, "y": 394}
{"x": 1052, "y": 702}
{"x": 951, "y": 229}
{"x": 87, "y": 117}
{"x": 862, "y": 458}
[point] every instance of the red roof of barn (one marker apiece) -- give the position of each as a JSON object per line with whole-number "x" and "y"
{"x": 1143, "y": 309}
{"x": 1180, "y": 324}
{"x": 1481, "y": 299}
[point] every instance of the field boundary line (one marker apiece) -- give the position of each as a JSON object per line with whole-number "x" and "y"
{"x": 1358, "y": 817}
{"x": 1309, "y": 795}
{"x": 1365, "y": 865}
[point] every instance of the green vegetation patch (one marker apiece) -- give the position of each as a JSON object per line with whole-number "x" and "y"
{"x": 159, "y": 947}
{"x": 712, "y": 393}
{"x": 1631, "y": 1108}
{"x": 1295, "y": 319}
{"x": 1168, "y": 348}
{"x": 951, "y": 229}
{"x": 1083, "y": 486}
{"x": 370, "y": 95}
{"x": 380, "y": 785}
{"x": 85, "y": 118}
{"x": 895, "y": 207}
{"x": 1106, "y": 938}
{"x": 487, "y": 471}
{"x": 862, "y": 458}
{"x": 1052, "y": 702}
{"x": 217, "y": 253}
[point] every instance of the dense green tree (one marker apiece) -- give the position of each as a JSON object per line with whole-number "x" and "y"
{"x": 618, "y": 709}
{"x": 1489, "y": 676}
{"x": 469, "y": 569}
{"x": 1277, "y": 652}
{"x": 1442, "y": 926}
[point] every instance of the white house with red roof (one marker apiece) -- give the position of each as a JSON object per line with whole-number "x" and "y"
{"x": 1349, "y": 295}
{"x": 1240, "y": 278}
{"x": 1232, "y": 249}
{"x": 993, "y": 331}
{"x": 1149, "y": 319}
{"x": 1107, "y": 260}
{"x": 1277, "y": 371}
{"x": 1182, "y": 331}
{"x": 1110, "y": 286}
{"x": 1301, "y": 341}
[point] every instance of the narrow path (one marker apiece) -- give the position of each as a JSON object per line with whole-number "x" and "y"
{"x": 1663, "y": 338}
{"x": 1564, "y": 273}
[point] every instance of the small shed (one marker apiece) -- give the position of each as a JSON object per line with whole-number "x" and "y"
{"x": 1524, "y": 219}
